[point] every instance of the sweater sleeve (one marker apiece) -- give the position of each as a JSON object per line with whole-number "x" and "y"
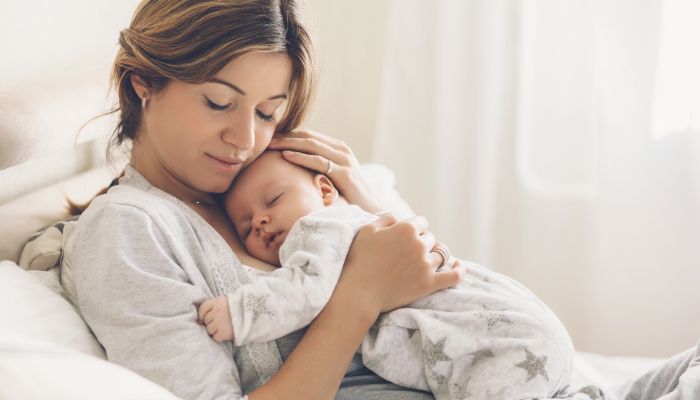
{"x": 142, "y": 306}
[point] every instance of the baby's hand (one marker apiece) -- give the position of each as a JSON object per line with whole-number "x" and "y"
{"x": 215, "y": 315}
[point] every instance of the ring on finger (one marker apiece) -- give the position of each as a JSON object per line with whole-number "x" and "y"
{"x": 444, "y": 252}
{"x": 330, "y": 167}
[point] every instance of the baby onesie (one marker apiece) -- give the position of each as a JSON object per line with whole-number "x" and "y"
{"x": 487, "y": 337}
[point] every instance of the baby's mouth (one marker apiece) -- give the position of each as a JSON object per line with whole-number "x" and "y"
{"x": 269, "y": 238}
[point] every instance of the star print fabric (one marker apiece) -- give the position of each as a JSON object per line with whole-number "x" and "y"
{"x": 486, "y": 338}
{"x": 290, "y": 297}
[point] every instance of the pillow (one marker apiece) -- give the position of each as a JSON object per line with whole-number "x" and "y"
{"x": 31, "y": 309}
{"x": 31, "y": 369}
{"x": 44, "y": 249}
{"x": 27, "y": 214}
{"x": 382, "y": 181}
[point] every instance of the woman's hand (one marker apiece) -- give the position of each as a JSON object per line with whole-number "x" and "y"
{"x": 314, "y": 150}
{"x": 390, "y": 264}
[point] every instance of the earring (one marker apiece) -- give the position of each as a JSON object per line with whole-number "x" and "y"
{"x": 143, "y": 102}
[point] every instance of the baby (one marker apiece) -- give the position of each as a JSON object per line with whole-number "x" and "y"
{"x": 486, "y": 338}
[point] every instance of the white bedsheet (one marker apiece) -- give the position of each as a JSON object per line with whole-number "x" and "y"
{"x": 606, "y": 371}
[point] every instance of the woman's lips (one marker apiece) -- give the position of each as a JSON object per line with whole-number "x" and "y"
{"x": 228, "y": 165}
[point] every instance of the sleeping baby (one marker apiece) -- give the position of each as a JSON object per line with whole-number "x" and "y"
{"x": 486, "y": 338}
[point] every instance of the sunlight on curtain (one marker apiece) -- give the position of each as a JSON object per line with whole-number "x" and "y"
{"x": 677, "y": 96}
{"x": 524, "y": 131}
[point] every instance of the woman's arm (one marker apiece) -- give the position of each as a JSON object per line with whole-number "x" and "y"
{"x": 141, "y": 304}
{"x": 317, "y": 365}
{"x": 388, "y": 266}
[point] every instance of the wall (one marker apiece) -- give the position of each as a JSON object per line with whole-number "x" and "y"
{"x": 55, "y": 65}
{"x": 350, "y": 42}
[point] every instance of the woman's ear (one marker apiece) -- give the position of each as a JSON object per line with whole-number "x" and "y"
{"x": 140, "y": 87}
{"x": 329, "y": 193}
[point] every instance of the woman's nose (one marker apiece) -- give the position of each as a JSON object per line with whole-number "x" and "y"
{"x": 241, "y": 130}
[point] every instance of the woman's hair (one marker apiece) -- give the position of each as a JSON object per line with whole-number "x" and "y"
{"x": 192, "y": 40}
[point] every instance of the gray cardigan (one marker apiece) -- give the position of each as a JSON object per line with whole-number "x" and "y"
{"x": 137, "y": 264}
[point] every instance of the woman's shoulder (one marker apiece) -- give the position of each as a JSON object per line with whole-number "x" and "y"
{"x": 134, "y": 195}
{"x": 129, "y": 201}
{"x": 133, "y": 211}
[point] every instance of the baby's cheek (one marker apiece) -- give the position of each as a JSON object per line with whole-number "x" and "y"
{"x": 255, "y": 247}
{"x": 249, "y": 245}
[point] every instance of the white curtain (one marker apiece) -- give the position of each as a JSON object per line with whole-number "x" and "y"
{"x": 558, "y": 142}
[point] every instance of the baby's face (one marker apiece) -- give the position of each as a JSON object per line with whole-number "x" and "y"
{"x": 265, "y": 201}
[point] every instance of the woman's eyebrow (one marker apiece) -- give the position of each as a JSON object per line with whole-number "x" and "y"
{"x": 239, "y": 90}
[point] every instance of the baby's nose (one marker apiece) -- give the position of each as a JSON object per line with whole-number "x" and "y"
{"x": 260, "y": 220}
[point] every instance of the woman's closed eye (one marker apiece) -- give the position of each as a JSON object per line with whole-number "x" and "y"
{"x": 216, "y": 106}
{"x": 225, "y": 107}
{"x": 264, "y": 117}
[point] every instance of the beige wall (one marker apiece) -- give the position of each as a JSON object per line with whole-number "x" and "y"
{"x": 54, "y": 76}
{"x": 350, "y": 39}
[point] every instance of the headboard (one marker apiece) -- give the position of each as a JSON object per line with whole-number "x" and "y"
{"x": 54, "y": 78}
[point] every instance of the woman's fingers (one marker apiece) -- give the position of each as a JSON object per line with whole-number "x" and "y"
{"x": 309, "y": 134}
{"x": 310, "y": 161}
{"x": 419, "y": 222}
{"x": 443, "y": 253}
{"x": 312, "y": 147}
{"x": 436, "y": 259}
{"x": 385, "y": 221}
{"x": 309, "y": 146}
{"x": 448, "y": 277}
{"x": 429, "y": 241}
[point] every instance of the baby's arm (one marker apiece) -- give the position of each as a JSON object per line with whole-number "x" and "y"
{"x": 289, "y": 298}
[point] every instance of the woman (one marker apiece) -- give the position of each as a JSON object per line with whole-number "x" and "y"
{"x": 203, "y": 86}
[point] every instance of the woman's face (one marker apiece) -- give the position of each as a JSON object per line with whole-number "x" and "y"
{"x": 201, "y": 135}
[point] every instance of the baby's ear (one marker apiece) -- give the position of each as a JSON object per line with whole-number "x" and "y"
{"x": 329, "y": 193}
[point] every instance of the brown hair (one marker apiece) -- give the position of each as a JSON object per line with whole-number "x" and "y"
{"x": 192, "y": 40}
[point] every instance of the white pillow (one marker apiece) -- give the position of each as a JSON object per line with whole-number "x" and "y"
{"x": 382, "y": 182}
{"x": 26, "y": 214}
{"x": 47, "y": 350}
{"x": 31, "y": 309}
{"x": 34, "y": 370}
